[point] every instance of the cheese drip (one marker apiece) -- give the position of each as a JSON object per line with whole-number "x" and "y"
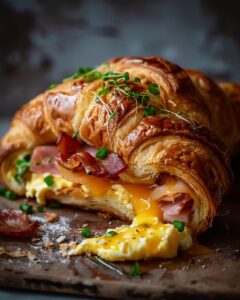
{"x": 146, "y": 237}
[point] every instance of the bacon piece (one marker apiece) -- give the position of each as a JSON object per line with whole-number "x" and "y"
{"x": 77, "y": 157}
{"x": 15, "y": 223}
{"x": 113, "y": 164}
{"x": 43, "y": 160}
{"x": 67, "y": 146}
{"x": 83, "y": 161}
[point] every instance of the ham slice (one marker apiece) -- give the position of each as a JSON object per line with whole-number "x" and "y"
{"x": 179, "y": 209}
{"x": 15, "y": 223}
{"x": 43, "y": 160}
{"x": 113, "y": 164}
{"x": 175, "y": 198}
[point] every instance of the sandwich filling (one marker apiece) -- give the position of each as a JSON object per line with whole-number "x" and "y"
{"x": 161, "y": 212}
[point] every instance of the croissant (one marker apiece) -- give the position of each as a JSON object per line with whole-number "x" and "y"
{"x": 166, "y": 130}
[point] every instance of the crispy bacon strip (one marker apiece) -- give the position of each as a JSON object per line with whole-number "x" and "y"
{"x": 67, "y": 146}
{"x": 77, "y": 157}
{"x": 15, "y": 223}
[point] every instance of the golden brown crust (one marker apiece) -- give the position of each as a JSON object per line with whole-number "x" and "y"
{"x": 186, "y": 138}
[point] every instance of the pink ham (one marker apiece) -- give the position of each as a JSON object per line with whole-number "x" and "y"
{"x": 43, "y": 160}
{"x": 180, "y": 209}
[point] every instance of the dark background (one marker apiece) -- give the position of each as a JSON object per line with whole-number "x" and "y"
{"x": 43, "y": 41}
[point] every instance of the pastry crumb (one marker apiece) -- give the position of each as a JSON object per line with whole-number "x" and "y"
{"x": 51, "y": 217}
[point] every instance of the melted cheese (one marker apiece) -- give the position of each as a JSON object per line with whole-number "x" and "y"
{"x": 36, "y": 187}
{"x": 146, "y": 237}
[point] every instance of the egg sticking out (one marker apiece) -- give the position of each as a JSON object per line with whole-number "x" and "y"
{"x": 151, "y": 239}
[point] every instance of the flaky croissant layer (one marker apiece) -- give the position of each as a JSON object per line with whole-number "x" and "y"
{"x": 156, "y": 116}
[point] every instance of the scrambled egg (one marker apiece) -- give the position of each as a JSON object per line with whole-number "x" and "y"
{"x": 36, "y": 187}
{"x": 146, "y": 237}
{"x": 137, "y": 241}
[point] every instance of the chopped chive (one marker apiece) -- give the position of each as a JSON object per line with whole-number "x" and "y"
{"x": 54, "y": 205}
{"x": 126, "y": 76}
{"x": 111, "y": 233}
{"x": 75, "y": 134}
{"x": 22, "y": 166}
{"x": 103, "y": 92}
{"x": 93, "y": 76}
{"x": 49, "y": 180}
{"x": 179, "y": 225}
{"x": 112, "y": 75}
{"x": 82, "y": 72}
{"x": 149, "y": 111}
{"x": 135, "y": 270}
{"x": 40, "y": 209}
{"x": 86, "y": 232}
{"x": 153, "y": 88}
{"x": 8, "y": 194}
{"x": 137, "y": 79}
{"x": 51, "y": 86}
{"x": 144, "y": 100}
{"x": 26, "y": 208}
{"x": 102, "y": 153}
{"x": 134, "y": 95}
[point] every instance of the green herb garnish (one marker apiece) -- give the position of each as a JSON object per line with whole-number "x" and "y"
{"x": 103, "y": 92}
{"x": 111, "y": 233}
{"x": 86, "y": 232}
{"x": 126, "y": 76}
{"x": 153, "y": 88}
{"x": 179, "y": 114}
{"x": 22, "y": 166}
{"x": 179, "y": 225}
{"x": 137, "y": 79}
{"x": 144, "y": 100}
{"x": 149, "y": 111}
{"x": 102, "y": 153}
{"x": 112, "y": 75}
{"x": 26, "y": 208}
{"x": 8, "y": 194}
{"x": 134, "y": 95}
{"x": 93, "y": 76}
{"x": 51, "y": 86}
{"x": 82, "y": 72}
{"x": 40, "y": 209}
{"x": 54, "y": 205}
{"x": 75, "y": 134}
{"x": 49, "y": 180}
{"x": 135, "y": 270}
